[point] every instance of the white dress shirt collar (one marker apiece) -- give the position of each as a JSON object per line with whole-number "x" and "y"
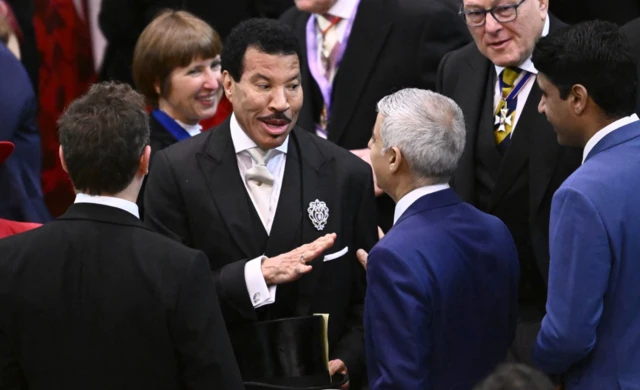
{"x": 597, "y": 137}
{"x": 110, "y": 201}
{"x": 193, "y": 130}
{"x": 343, "y": 8}
{"x": 242, "y": 142}
{"x": 528, "y": 64}
{"x": 410, "y": 198}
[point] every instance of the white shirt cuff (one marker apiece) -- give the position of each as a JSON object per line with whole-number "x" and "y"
{"x": 259, "y": 293}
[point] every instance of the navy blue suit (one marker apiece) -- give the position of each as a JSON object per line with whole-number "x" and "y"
{"x": 440, "y": 309}
{"x": 20, "y": 184}
{"x": 591, "y": 333}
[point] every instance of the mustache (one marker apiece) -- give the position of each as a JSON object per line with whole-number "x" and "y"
{"x": 280, "y": 116}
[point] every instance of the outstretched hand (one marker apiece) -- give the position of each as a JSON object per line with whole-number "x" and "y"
{"x": 290, "y": 266}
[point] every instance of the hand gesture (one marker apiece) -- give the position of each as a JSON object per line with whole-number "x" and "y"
{"x": 292, "y": 265}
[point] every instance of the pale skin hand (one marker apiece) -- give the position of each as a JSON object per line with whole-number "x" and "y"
{"x": 287, "y": 267}
{"x": 366, "y": 157}
{"x": 338, "y": 366}
{"x": 362, "y": 255}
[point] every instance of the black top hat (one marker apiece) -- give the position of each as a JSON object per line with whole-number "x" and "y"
{"x": 289, "y": 353}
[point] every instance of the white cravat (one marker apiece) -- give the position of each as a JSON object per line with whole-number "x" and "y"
{"x": 259, "y": 293}
{"x": 260, "y": 183}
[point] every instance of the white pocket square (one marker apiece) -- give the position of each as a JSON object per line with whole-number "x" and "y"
{"x": 334, "y": 256}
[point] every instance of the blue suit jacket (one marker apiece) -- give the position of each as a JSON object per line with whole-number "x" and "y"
{"x": 20, "y": 183}
{"x": 591, "y": 333}
{"x": 440, "y": 309}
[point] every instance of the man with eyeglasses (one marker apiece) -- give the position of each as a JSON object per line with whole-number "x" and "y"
{"x": 512, "y": 163}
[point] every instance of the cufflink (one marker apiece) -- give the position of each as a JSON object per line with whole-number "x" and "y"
{"x": 256, "y": 297}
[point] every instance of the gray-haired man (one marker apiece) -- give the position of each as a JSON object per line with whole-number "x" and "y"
{"x": 442, "y": 284}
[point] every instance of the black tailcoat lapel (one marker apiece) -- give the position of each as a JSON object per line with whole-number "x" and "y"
{"x": 219, "y": 167}
{"x": 285, "y": 230}
{"x": 518, "y": 153}
{"x": 318, "y": 183}
{"x": 477, "y": 78}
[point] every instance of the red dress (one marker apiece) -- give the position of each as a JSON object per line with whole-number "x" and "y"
{"x": 66, "y": 72}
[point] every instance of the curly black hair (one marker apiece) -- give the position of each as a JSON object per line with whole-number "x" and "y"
{"x": 266, "y": 35}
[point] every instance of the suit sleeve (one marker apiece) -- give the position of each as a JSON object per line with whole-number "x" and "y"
{"x": 443, "y": 33}
{"x": 578, "y": 278}
{"x": 350, "y": 347}
{"x": 397, "y": 322}
{"x": 200, "y": 336}
{"x": 11, "y": 376}
{"x": 165, "y": 213}
{"x": 11, "y": 109}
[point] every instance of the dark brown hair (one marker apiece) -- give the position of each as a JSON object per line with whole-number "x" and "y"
{"x": 103, "y": 135}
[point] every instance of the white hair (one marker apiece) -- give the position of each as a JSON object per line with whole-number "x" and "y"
{"x": 429, "y": 130}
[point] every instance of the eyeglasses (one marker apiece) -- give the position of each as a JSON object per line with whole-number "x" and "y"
{"x": 501, "y": 13}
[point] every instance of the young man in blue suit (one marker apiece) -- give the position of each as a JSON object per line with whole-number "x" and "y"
{"x": 440, "y": 309}
{"x": 590, "y": 337}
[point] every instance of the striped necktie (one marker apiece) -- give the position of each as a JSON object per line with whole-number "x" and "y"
{"x": 505, "y": 114}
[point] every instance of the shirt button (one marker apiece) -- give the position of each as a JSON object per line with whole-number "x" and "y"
{"x": 259, "y": 183}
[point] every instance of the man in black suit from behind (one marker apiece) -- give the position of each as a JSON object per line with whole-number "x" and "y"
{"x": 632, "y": 31}
{"x": 355, "y": 52}
{"x": 94, "y": 300}
{"x": 258, "y": 186}
{"x": 512, "y": 163}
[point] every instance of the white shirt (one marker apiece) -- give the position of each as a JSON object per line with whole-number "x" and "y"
{"x": 526, "y": 90}
{"x": 193, "y": 130}
{"x": 259, "y": 293}
{"x": 410, "y": 198}
{"x": 344, "y": 9}
{"x": 110, "y": 201}
{"x": 597, "y": 137}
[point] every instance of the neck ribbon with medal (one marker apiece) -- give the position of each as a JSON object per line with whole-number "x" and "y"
{"x": 504, "y": 118}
